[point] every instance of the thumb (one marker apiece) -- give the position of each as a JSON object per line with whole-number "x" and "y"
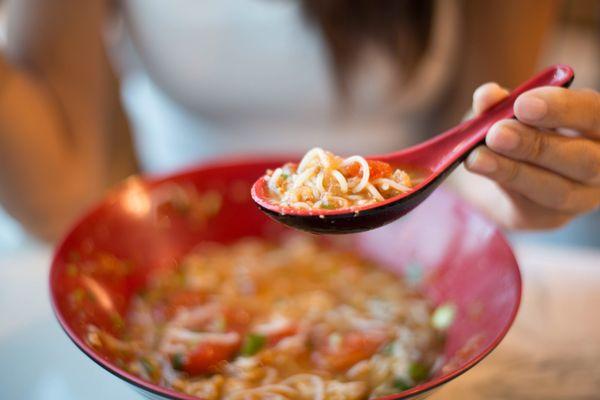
{"x": 486, "y": 96}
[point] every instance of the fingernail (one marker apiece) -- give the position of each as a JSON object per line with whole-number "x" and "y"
{"x": 503, "y": 138}
{"x": 479, "y": 161}
{"x": 532, "y": 108}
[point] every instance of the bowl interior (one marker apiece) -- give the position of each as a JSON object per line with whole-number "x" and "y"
{"x": 145, "y": 226}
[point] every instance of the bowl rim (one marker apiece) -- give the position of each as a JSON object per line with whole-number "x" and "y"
{"x": 221, "y": 162}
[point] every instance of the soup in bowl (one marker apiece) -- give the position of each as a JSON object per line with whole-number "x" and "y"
{"x": 180, "y": 286}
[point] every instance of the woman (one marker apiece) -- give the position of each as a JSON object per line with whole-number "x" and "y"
{"x": 252, "y": 75}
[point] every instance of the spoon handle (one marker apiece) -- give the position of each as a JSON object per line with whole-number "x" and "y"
{"x": 459, "y": 141}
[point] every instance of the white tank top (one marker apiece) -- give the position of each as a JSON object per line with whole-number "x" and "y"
{"x": 217, "y": 77}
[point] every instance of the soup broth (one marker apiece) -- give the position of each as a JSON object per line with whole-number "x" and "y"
{"x": 287, "y": 320}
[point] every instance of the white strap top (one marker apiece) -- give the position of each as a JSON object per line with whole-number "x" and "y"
{"x": 241, "y": 76}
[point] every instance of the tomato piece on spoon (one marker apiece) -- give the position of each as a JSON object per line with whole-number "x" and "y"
{"x": 378, "y": 169}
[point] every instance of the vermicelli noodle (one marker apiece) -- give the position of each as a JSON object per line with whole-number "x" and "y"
{"x": 291, "y": 321}
{"x": 323, "y": 180}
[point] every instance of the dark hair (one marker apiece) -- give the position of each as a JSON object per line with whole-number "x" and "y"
{"x": 401, "y": 28}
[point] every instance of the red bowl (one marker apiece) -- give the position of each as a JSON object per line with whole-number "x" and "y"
{"x": 140, "y": 227}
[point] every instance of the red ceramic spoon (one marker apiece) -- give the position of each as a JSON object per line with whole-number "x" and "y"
{"x": 438, "y": 156}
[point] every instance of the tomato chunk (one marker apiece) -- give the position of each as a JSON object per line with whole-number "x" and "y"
{"x": 237, "y": 319}
{"x": 207, "y": 357}
{"x": 378, "y": 169}
{"x": 354, "y": 347}
{"x": 276, "y": 336}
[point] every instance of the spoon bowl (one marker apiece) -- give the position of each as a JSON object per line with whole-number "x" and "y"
{"x": 438, "y": 156}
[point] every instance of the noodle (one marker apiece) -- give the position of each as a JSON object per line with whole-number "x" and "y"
{"x": 374, "y": 192}
{"x": 323, "y": 180}
{"x": 385, "y": 184}
{"x": 300, "y": 179}
{"x": 275, "y": 179}
{"x": 319, "y": 153}
{"x": 280, "y": 391}
{"x": 315, "y": 383}
{"x": 341, "y": 180}
{"x": 288, "y": 321}
{"x": 364, "y": 168}
{"x": 319, "y": 182}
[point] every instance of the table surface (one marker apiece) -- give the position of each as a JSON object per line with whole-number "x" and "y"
{"x": 552, "y": 352}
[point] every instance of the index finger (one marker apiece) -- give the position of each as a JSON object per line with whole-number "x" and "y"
{"x": 555, "y": 107}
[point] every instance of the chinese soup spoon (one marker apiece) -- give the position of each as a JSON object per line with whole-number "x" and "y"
{"x": 437, "y": 156}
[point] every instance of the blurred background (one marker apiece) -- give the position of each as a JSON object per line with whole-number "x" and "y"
{"x": 202, "y": 79}
{"x": 161, "y": 127}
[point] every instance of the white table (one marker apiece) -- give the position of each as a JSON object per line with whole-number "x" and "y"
{"x": 552, "y": 352}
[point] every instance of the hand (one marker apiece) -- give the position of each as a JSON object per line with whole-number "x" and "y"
{"x": 548, "y": 175}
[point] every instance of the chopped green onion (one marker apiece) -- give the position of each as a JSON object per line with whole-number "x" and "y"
{"x": 148, "y": 366}
{"x": 388, "y": 349}
{"x": 443, "y": 316}
{"x": 177, "y": 361}
{"x": 418, "y": 372}
{"x": 253, "y": 342}
{"x": 401, "y": 384}
{"x": 285, "y": 176}
{"x": 413, "y": 273}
